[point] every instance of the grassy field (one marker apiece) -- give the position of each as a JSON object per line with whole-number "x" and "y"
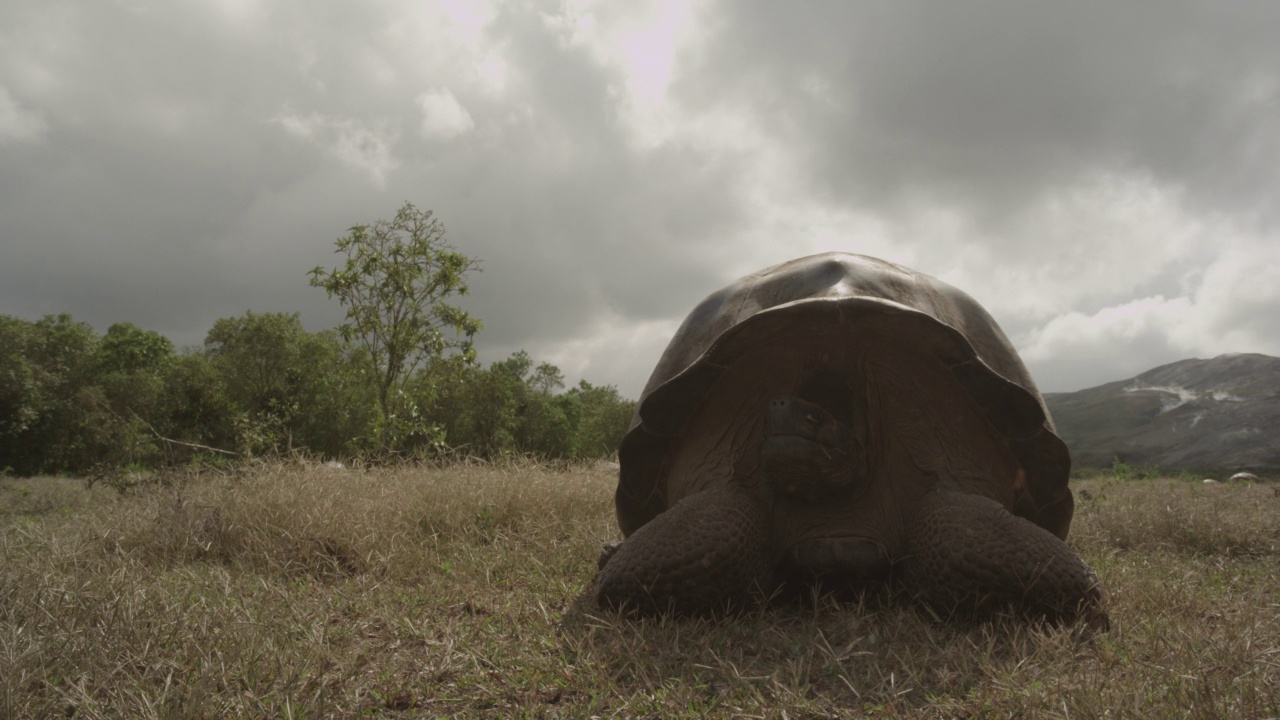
{"x": 303, "y": 592}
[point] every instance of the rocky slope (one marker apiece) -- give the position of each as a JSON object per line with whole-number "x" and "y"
{"x": 1221, "y": 413}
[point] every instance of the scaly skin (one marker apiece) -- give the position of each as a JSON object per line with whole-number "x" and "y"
{"x": 967, "y": 553}
{"x": 709, "y": 551}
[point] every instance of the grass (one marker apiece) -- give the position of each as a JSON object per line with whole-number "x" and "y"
{"x": 303, "y": 592}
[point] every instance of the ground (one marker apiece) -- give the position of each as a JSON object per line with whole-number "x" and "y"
{"x": 303, "y": 591}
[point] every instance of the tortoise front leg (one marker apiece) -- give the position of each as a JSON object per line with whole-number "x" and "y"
{"x": 709, "y": 550}
{"x": 968, "y": 553}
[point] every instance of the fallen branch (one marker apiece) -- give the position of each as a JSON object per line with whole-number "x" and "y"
{"x": 160, "y": 437}
{"x": 171, "y": 441}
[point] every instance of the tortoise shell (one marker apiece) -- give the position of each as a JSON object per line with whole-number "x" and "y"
{"x": 829, "y": 327}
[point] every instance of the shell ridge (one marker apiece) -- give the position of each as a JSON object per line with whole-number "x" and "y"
{"x": 857, "y": 293}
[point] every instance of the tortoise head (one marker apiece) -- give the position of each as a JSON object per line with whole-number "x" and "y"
{"x": 807, "y": 453}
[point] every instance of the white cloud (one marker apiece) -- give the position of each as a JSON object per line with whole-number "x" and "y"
{"x": 244, "y": 13}
{"x": 1112, "y": 343}
{"x": 612, "y": 350}
{"x": 649, "y": 51}
{"x": 361, "y": 146}
{"x": 304, "y": 127}
{"x": 643, "y": 42}
{"x": 443, "y": 117}
{"x": 1081, "y": 246}
{"x": 367, "y": 149}
{"x": 1238, "y": 300}
{"x": 493, "y": 72}
{"x": 1232, "y": 306}
{"x": 17, "y": 124}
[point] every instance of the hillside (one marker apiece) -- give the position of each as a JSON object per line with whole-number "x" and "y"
{"x": 1193, "y": 414}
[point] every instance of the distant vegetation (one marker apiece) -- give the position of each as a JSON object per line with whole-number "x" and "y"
{"x": 398, "y": 379}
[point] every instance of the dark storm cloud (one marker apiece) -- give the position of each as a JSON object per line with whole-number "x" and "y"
{"x": 571, "y": 224}
{"x": 565, "y": 215}
{"x": 988, "y": 104}
{"x": 157, "y": 145}
{"x": 1086, "y": 156}
{"x": 1099, "y": 175}
{"x": 189, "y": 173}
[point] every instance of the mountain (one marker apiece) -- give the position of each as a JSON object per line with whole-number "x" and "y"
{"x": 1221, "y": 413}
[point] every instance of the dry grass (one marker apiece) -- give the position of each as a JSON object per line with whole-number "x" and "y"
{"x": 304, "y": 592}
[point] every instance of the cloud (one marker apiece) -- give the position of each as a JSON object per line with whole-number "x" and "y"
{"x": 1115, "y": 342}
{"x": 238, "y": 12}
{"x": 612, "y": 347}
{"x": 365, "y": 147}
{"x": 1232, "y": 304}
{"x": 17, "y": 124}
{"x": 1099, "y": 176}
{"x": 1238, "y": 301}
{"x": 1080, "y": 247}
{"x": 986, "y": 106}
{"x": 443, "y": 117}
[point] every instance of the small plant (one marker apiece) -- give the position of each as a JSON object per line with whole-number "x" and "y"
{"x": 1121, "y": 470}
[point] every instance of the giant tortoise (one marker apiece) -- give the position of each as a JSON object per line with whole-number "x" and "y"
{"x": 846, "y": 421}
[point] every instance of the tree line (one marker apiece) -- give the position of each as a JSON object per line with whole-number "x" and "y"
{"x": 397, "y": 379}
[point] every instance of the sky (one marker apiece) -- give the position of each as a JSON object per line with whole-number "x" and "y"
{"x": 1101, "y": 175}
